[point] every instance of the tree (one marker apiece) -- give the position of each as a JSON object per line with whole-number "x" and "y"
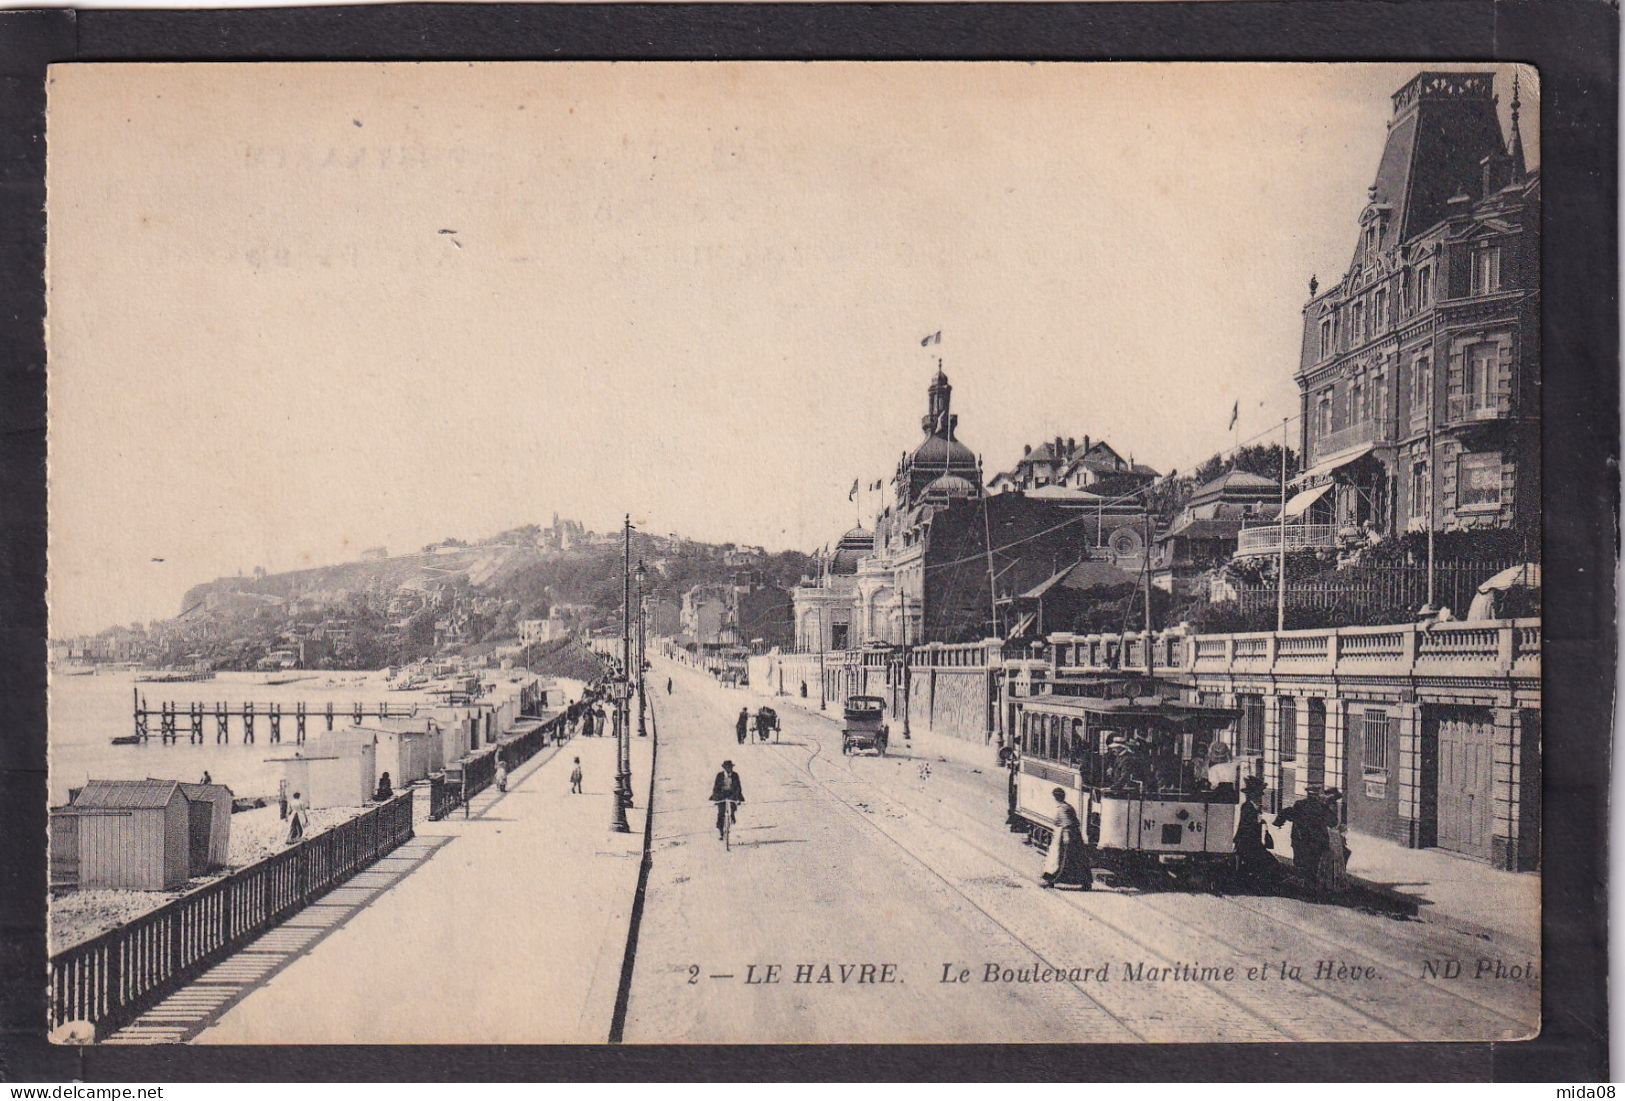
{"x": 1261, "y": 459}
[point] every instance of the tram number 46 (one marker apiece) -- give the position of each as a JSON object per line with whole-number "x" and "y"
{"x": 1151, "y": 824}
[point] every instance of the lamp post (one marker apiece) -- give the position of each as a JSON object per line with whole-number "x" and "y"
{"x": 643, "y": 726}
{"x": 623, "y": 779}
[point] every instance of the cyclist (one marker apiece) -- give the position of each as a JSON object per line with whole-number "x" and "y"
{"x": 727, "y": 793}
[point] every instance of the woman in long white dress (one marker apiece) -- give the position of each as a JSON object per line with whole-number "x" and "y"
{"x": 1067, "y": 862}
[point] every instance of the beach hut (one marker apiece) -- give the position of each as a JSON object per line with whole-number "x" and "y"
{"x": 64, "y": 849}
{"x": 209, "y": 835}
{"x": 341, "y": 773}
{"x": 132, "y": 834}
{"x": 408, "y": 749}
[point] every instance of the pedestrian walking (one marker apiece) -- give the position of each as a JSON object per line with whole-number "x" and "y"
{"x": 727, "y": 792}
{"x": 1067, "y": 861}
{"x": 575, "y": 778}
{"x": 1253, "y": 860}
{"x": 742, "y": 726}
{"x": 1333, "y": 875}
{"x": 668, "y": 686}
{"x": 1310, "y": 822}
{"x": 1010, "y": 758}
{"x": 296, "y": 818}
{"x": 502, "y": 775}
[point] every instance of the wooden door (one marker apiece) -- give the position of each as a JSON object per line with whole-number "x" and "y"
{"x": 199, "y": 821}
{"x": 1465, "y": 756}
{"x": 1315, "y": 741}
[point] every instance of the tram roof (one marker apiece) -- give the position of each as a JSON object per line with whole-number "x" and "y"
{"x": 1141, "y": 706}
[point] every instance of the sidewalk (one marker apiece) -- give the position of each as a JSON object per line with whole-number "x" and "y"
{"x": 508, "y": 926}
{"x": 1443, "y": 887}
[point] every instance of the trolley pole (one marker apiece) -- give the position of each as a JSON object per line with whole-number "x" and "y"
{"x": 1149, "y": 667}
{"x": 821, "y": 698}
{"x": 908, "y": 673}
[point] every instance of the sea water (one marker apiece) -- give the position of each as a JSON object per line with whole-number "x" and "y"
{"x": 87, "y": 712}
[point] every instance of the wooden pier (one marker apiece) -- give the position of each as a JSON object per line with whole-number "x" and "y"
{"x": 169, "y": 721}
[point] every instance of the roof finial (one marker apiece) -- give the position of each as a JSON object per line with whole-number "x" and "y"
{"x": 1516, "y": 151}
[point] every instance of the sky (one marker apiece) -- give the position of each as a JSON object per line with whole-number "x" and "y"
{"x": 299, "y": 310}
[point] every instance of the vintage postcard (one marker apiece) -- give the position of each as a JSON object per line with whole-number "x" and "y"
{"x": 794, "y": 553}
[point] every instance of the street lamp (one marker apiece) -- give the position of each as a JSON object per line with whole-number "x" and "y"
{"x": 643, "y": 576}
{"x": 623, "y": 771}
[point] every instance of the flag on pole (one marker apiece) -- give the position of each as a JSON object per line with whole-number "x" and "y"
{"x": 1235, "y": 411}
{"x": 934, "y": 338}
{"x": 852, "y": 495}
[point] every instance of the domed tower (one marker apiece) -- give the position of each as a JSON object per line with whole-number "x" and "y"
{"x": 939, "y": 455}
{"x": 852, "y": 546}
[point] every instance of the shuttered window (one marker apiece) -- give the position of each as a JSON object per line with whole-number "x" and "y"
{"x": 1289, "y": 728}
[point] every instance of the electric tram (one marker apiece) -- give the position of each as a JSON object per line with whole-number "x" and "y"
{"x": 1154, "y": 778}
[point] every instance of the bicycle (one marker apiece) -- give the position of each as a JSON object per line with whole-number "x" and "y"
{"x": 729, "y": 809}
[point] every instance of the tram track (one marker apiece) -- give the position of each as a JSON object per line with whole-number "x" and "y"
{"x": 1277, "y": 1029}
{"x": 1205, "y": 934}
{"x": 806, "y": 766}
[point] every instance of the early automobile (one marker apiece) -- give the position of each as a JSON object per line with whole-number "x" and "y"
{"x": 864, "y": 728}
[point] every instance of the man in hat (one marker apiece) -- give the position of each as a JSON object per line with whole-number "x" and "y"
{"x": 727, "y": 793}
{"x": 1310, "y": 819}
{"x": 1253, "y": 859}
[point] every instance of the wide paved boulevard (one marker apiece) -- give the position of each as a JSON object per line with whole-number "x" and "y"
{"x": 870, "y": 899}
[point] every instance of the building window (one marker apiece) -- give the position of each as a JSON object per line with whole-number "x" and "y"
{"x": 1357, "y": 400}
{"x": 1419, "y": 488}
{"x": 1478, "y": 480}
{"x": 1407, "y": 300}
{"x": 1252, "y": 724}
{"x": 1487, "y": 271}
{"x": 1379, "y": 397}
{"x": 1481, "y": 370}
{"x": 1421, "y": 389}
{"x": 1357, "y": 322}
{"x": 1326, "y": 346}
{"x": 1424, "y": 288}
{"x": 1378, "y": 733}
{"x": 1289, "y": 728}
{"x": 1323, "y": 414}
{"x": 1379, "y": 310}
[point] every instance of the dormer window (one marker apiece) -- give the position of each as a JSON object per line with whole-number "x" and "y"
{"x": 1326, "y": 345}
{"x": 1487, "y": 270}
{"x": 1424, "y": 287}
{"x": 1370, "y": 237}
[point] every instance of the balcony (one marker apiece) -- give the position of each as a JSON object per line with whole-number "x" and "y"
{"x": 1266, "y": 538}
{"x": 1477, "y": 408}
{"x": 1348, "y": 438}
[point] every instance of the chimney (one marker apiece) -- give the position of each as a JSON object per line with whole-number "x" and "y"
{"x": 1057, "y": 447}
{"x": 1026, "y": 449}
